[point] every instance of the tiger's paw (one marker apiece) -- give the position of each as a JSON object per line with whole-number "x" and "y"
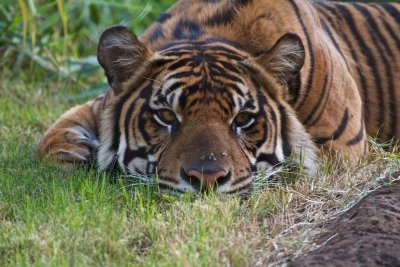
{"x": 69, "y": 147}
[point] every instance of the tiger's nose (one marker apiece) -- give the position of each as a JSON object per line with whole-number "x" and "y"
{"x": 207, "y": 180}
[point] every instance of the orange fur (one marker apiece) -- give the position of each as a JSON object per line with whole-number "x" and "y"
{"x": 344, "y": 90}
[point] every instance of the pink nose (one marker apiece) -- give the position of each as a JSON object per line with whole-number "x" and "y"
{"x": 206, "y": 179}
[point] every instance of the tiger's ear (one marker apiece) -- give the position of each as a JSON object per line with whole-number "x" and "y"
{"x": 285, "y": 59}
{"x": 120, "y": 53}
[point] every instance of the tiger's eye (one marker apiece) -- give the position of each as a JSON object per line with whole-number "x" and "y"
{"x": 242, "y": 119}
{"x": 167, "y": 116}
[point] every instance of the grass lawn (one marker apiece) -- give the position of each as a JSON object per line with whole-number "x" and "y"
{"x": 50, "y": 217}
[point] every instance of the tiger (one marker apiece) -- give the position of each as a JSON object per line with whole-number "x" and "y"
{"x": 216, "y": 91}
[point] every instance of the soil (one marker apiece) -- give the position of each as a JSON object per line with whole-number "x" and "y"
{"x": 366, "y": 235}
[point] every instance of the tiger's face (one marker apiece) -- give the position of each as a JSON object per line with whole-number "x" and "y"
{"x": 200, "y": 114}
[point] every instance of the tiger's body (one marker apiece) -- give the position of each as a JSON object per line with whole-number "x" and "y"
{"x": 218, "y": 88}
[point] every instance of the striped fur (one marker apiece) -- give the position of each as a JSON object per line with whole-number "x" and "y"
{"x": 239, "y": 86}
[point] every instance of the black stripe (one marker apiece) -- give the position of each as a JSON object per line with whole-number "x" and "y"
{"x": 193, "y": 102}
{"x": 173, "y": 45}
{"x": 180, "y": 63}
{"x": 174, "y": 87}
{"x": 141, "y": 122}
{"x": 369, "y": 57}
{"x": 240, "y": 180}
{"x": 392, "y": 11}
{"x": 129, "y": 155}
{"x": 221, "y": 17}
{"x": 159, "y": 62}
{"x": 325, "y": 99}
{"x": 360, "y": 135}
{"x": 183, "y": 101}
{"x": 157, "y": 34}
{"x": 184, "y": 44}
{"x": 184, "y": 74}
{"x": 274, "y": 121}
{"x": 313, "y": 115}
{"x": 217, "y": 71}
{"x": 310, "y": 53}
{"x": 286, "y": 148}
{"x": 272, "y": 159}
{"x": 116, "y": 115}
{"x": 186, "y": 29}
{"x": 128, "y": 118}
{"x": 235, "y": 88}
{"x": 100, "y": 97}
{"x": 228, "y": 66}
{"x": 379, "y": 39}
{"x": 224, "y": 51}
{"x": 164, "y": 17}
{"x": 145, "y": 92}
{"x": 334, "y": 41}
{"x": 262, "y": 101}
{"x": 168, "y": 179}
{"x": 242, "y": 3}
{"x": 338, "y": 132}
{"x": 361, "y": 76}
{"x": 177, "y": 52}
{"x": 211, "y": 50}
{"x": 294, "y": 88}
{"x": 249, "y": 104}
{"x": 389, "y": 26}
{"x": 154, "y": 149}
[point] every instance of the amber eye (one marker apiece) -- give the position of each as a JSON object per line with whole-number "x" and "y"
{"x": 166, "y": 117}
{"x": 244, "y": 119}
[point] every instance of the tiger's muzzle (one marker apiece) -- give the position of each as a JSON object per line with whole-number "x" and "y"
{"x": 204, "y": 157}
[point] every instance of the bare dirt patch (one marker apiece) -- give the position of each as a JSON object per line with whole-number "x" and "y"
{"x": 366, "y": 235}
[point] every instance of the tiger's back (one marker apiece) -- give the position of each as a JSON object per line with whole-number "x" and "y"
{"x": 368, "y": 37}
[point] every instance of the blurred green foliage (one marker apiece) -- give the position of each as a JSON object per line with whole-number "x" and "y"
{"x": 61, "y": 36}
{"x": 58, "y": 38}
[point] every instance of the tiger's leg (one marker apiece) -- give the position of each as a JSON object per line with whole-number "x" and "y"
{"x": 73, "y": 138}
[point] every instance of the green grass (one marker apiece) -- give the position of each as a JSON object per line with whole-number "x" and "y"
{"x": 49, "y": 217}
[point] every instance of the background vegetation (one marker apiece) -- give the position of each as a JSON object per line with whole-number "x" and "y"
{"x": 54, "y": 218}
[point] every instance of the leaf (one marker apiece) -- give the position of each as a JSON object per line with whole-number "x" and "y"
{"x": 94, "y": 13}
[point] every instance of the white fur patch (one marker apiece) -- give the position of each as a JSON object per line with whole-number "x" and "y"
{"x": 84, "y": 137}
{"x": 282, "y": 62}
{"x": 138, "y": 164}
{"x": 121, "y": 152}
{"x": 304, "y": 148}
{"x": 106, "y": 156}
{"x": 279, "y": 150}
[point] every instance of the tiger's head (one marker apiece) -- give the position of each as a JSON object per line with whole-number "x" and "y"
{"x": 200, "y": 113}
